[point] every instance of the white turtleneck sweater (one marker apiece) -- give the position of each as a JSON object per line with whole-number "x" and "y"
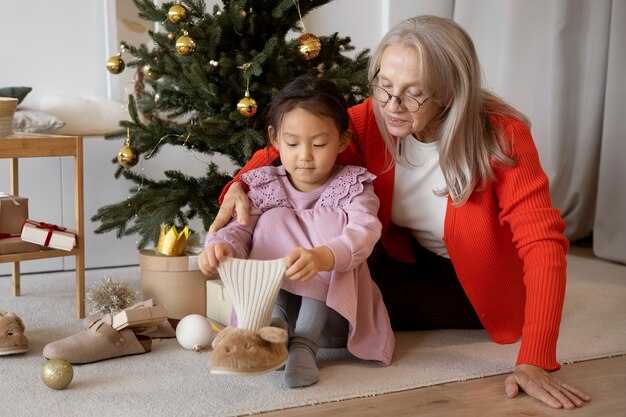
{"x": 415, "y": 205}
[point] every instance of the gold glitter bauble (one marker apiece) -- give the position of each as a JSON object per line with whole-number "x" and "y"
{"x": 177, "y": 13}
{"x": 247, "y": 106}
{"x": 150, "y": 74}
{"x": 57, "y": 373}
{"x": 127, "y": 156}
{"x": 115, "y": 64}
{"x": 309, "y": 46}
{"x": 185, "y": 45}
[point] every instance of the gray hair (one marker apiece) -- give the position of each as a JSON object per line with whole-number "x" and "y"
{"x": 451, "y": 76}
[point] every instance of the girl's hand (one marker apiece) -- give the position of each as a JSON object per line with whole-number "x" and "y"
{"x": 235, "y": 204}
{"x": 303, "y": 264}
{"x": 544, "y": 386}
{"x": 211, "y": 256}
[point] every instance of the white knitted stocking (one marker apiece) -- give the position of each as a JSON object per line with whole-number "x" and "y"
{"x": 253, "y": 287}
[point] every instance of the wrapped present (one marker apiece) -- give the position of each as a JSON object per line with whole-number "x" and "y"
{"x": 48, "y": 235}
{"x": 13, "y": 243}
{"x": 139, "y": 318}
{"x": 218, "y": 305}
{"x": 13, "y": 213}
{"x": 173, "y": 281}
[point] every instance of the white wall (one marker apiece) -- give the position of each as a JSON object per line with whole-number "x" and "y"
{"x": 56, "y": 47}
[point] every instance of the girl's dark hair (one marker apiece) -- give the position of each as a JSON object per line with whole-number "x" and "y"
{"x": 318, "y": 96}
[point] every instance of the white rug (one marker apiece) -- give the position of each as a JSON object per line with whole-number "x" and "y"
{"x": 172, "y": 381}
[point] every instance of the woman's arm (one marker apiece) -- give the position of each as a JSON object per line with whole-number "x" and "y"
{"x": 261, "y": 158}
{"x": 537, "y": 228}
{"x": 234, "y": 200}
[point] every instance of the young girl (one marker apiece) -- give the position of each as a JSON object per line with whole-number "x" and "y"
{"x": 322, "y": 218}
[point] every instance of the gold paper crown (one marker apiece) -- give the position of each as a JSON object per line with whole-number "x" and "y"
{"x": 172, "y": 242}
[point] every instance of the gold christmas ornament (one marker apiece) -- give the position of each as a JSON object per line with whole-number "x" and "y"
{"x": 171, "y": 36}
{"x": 57, "y": 373}
{"x": 172, "y": 242}
{"x": 309, "y": 46}
{"x": 247, "y": 105}
{"x": 151, "y": 74}
{"x": 185, "y": 45}
{"x": 127, "y": 155}
{"x": 115, "y": 64}
{"x": 177, "y": 13}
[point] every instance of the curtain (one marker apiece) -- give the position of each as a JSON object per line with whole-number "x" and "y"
{"x": 610, "y": 221}
{"x": 560, "y": 62}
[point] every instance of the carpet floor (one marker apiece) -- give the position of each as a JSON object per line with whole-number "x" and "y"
{"x": 172, "y": 381}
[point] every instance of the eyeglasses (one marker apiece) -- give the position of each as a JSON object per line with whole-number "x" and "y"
{"x": 383, "y": 96}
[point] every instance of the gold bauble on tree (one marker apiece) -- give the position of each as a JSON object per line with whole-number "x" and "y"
{"x": 185, "y": 45}
{"x": 128, "y": 156}
{"x": 247, "y": 105}
{"x": 177, "y": 13}
{"x": 151, "y": 74}
{"x": 309, "y": 46}
{"x": 57, "y": 373}
{"x": 115, "y": 64}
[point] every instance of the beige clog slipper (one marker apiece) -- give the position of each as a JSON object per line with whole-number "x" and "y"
{"x": 12, "y": 338}
{"x": 98, "y": 343}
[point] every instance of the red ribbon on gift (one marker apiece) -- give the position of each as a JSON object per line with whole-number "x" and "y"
{"x": 49, "y": 226}
{"x": 7, "y": 235}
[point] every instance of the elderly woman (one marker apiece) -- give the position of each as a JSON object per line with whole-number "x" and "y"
{"x": 470, "y": 238}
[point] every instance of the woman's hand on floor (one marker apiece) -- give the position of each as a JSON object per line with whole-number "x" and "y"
{"x": 544, "y": 386}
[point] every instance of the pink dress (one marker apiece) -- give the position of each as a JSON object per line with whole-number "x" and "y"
{"x": 342, "y": 215}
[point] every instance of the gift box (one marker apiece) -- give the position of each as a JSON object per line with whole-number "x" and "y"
{"x": 14, "y": 244}
{"x": 173, "y": 281}
{"x": 218, "y": 304}
{"x": 13, "y": 213}
{"x": 48, "y": 235}
{"x": 139, "y": 318}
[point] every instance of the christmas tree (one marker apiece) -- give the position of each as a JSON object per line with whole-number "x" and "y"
{"x": 205, "y": 84}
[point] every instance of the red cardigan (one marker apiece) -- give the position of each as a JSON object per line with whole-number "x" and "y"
{"x": 506, "y": 242}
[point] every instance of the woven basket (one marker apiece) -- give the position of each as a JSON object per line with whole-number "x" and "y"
{"x": 7, "y": 110}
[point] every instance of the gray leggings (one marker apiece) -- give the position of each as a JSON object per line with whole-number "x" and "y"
{"x": 313, "y": 319}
